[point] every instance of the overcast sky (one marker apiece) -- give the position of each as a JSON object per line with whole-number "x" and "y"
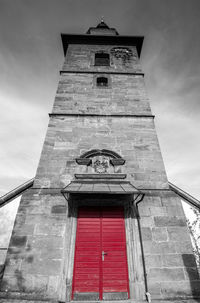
{"x": 31, "y": 56}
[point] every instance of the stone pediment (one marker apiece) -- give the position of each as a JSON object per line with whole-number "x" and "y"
{"x": 100, "y": 164}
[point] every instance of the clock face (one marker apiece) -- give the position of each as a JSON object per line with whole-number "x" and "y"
{"x": 122, "y": 52}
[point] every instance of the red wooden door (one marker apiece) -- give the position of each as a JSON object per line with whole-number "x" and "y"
{"x": 100, "y": 264}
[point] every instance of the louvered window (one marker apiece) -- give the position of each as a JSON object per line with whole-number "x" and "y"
{"x": 102, "y": 59}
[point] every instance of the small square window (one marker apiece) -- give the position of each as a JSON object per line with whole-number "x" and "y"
{"x": 102, "y": 59}
{"x": 102, "y": 81}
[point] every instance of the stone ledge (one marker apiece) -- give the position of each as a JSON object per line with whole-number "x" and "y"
{"x": 100, "y": 72}
{"x": 99, "y": 115}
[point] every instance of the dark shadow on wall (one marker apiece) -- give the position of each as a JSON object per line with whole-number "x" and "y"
{"x": 192, "y": 274}
{"x": 2, "y": 267}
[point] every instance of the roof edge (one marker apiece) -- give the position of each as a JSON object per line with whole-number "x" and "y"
{"x": 101, "y": 39}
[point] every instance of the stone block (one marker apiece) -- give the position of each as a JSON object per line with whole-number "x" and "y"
{"x": 172, "y": 260}
{"x": 154, "y": 289}
{"x": 42, "y": 267}
{"x": 166, "y": 274}
{"x": 153, "y": 201}
{"x": 159, "y": 234}
{"x": 59, "y": 209}
{"x": 17, "y": 283}
{"x": 184, "y": 247}
{"x": 144, "y": 210}
{"x": 12, "y": 266}
{"x": 189, "y": 260}
{"x": 176, "y": 210}
{"x": 171, "y": 200}
{"x": 178, "y": 234}
{"x": 18, "y": 241}
{"x": 180, "y": 289}
{"x": 152, "y": 247}
{"x": 147, "y": 222}
{"x": 53, "y": 285}
{"x": 40, "y": 283}
{"x": 146, "y": 233}
{"x": 164, "y": 221}
{"x": 56, "y": 229}
{"x": 3, "y": 254}
{"x": 51, "y": 253}
{"x": 158, "y": 211}
{"x": 25, "y": 230}
{"x": 48, "y": 242}
{"x": 191, "y": 273}
{"x": 153, "y": 261}
{"x": 9, "y": 283}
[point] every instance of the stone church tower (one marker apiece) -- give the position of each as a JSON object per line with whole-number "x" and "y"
{"x": 100, "y": 221}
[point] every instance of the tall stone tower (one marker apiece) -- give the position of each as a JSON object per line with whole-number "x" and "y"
{"x": 100, "y": 222}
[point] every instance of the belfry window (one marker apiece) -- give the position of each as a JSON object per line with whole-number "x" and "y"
{"x": 102, "y": 81}
{"x": 102, "y": 59}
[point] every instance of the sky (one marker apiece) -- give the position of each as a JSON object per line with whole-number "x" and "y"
{"x": 31, "y": 56}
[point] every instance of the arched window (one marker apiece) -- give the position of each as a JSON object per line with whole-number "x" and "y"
{"x": 102, "y": 81}
{"x": 102, "y": 59}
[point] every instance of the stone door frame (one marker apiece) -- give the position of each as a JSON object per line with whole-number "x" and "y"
{"x": 135, "y": 267}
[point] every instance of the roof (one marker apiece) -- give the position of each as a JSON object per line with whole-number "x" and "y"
{"x": 102, "y": 39}
{"x": 102, "y": 28}
{"x": 99, "y": 186}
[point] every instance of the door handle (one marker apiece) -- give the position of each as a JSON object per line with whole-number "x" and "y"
{"x": 103, "y": 254}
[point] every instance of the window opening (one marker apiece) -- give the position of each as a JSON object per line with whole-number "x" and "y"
{"x": 102, "y": 59}
{"x": 102, "y": 81}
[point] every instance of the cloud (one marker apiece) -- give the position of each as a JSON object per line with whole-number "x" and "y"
{"x": 22, "y": 132}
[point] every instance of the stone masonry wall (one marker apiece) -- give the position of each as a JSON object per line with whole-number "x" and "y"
{"x": 80, "y": 57}
{"x": 133, "y": 138}
{"x": 78, "y": 94}
{"x": 37, "y": 249}
{"x": 171, "y": 267}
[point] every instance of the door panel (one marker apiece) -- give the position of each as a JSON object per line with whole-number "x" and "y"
{"x": 100, "y": 263}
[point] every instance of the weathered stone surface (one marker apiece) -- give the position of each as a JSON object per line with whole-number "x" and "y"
{"x": 153, "y": 260}
{"x": 159, "y": 234}
{"x": 155, "y": 290}
{"x": 146, "y": 221}
{"x": 151, "y": 247}
{"x": 49, "y": 242}
{"x": 191, "y": 273}
{"x": 18, "y": 241}
{"x": 3, "y": 256}
{"x": 169, "y": 221}
{"x": 172, "y": 260}
{"x": 184, "y": 247}
{"x": 42, "y": 267}
{"x": 166, "y": 274}
{"x": 59, "y": 209}
{"x": 158, "y": 210}
{"x": 146, "y": 233}
{"x": 90, "y": 132}
{"x": 56, "y": 229}
{"x": 180, "y": 289}
{"x": 178, "y": 234}
{"x": 189, "y": 260}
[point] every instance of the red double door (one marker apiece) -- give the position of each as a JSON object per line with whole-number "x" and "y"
{"x": 100, "y": 264}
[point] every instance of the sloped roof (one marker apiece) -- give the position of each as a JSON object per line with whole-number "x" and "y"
{"x": 99, "y": 186}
